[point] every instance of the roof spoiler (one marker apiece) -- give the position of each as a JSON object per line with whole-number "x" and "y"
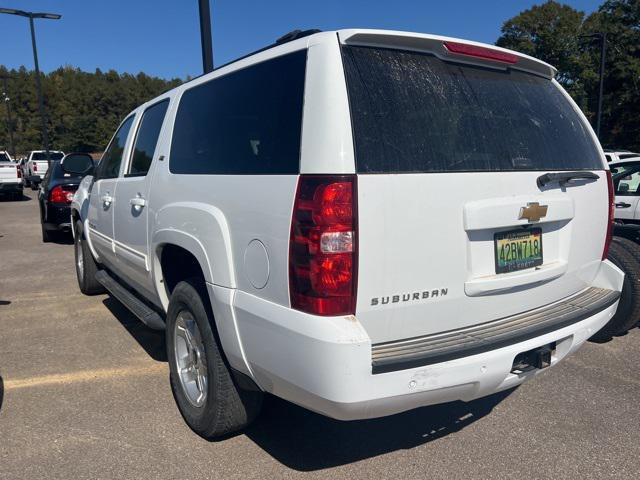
{"x": 449, "y": 49}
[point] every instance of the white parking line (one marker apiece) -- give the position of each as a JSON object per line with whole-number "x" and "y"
{"x": 84, "y": 376}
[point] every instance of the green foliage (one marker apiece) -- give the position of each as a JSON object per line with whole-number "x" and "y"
{"x": 558, "y": 34}
{"x": 83, "y": 109}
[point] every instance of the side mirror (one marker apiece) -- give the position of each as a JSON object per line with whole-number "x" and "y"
{"x": 78, "y": 164}
{"x": 623, "y": 188}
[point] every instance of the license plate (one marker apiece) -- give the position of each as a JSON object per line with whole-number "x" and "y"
{"x": 518, "y": 249}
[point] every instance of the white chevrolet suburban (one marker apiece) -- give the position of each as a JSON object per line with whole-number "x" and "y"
{"x": 361, "y": 222}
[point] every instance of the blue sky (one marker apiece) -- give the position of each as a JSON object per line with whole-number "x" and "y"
{"x": 161, "y": 37}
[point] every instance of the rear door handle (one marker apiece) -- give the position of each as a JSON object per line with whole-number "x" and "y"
{"x": 137, "y": 202}
{"x": 622, "y": 205}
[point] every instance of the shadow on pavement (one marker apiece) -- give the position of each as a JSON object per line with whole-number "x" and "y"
{"x": 8, "y": 198}
{"x": 1, "y": 392}
{"x": 5, "y": 302}
{"x": 152, "y": 341}
{"x": 306, "y": 441}
{"x": 61, "y": 238}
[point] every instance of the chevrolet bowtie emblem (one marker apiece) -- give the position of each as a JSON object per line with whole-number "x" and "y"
{"x": 533, "y": 212}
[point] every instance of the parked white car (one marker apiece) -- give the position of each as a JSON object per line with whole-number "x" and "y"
{"x": 37, "y": 165}
{"x": 626, "y": 181}
{"x": 10, "y": 177}
{"x": 361, "y": 222}
{"x": 618, "y": 155}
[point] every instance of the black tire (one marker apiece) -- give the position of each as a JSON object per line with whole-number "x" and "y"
{"x": 629, "y": 245}
{"x": 628, "y": 313}
{"x": 46, "y": 234}
{"x": 87, "y": 273}
{"x": 227, "y": 407}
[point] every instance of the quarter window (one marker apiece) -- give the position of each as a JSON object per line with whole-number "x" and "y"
{"x": 112, "y": 158}
{"x": 246, "y": 122}
{"x": 147, "y": 138}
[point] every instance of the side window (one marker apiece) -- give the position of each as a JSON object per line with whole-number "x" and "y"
{"x": 112, "y": 158}
{"x": 628, "y": 184}
{"x": 147, "y": 138}
{"x": 246, "y": 122}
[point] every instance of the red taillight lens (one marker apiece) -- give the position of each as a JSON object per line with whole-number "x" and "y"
{"x": 322, "y": 249}
{"x": 61, "y": 194}
{"x": 480, "y": 52}
{"x": 611, "y": 219}
{"x": 19, "y": 172}
{"x": 35, "y": 167}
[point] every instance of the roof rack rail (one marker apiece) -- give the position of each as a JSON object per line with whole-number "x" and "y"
{"x": 295, "y": 34}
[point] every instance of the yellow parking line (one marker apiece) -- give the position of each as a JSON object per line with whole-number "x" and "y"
{"x": 84, "y": 376}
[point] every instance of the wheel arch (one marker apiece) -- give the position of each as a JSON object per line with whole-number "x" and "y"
{"x": 187, "y": 248}
{"x": 204, "y": 232}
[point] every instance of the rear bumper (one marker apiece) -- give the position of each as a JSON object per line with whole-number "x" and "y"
{"x": 10, "y": 187}
{"x": 464, "y": 342}
{"x": 57, "y": 217}
{"x": 325, "y": 364}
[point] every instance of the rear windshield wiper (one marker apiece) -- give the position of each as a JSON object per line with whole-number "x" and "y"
{"x": 565, "y": 177}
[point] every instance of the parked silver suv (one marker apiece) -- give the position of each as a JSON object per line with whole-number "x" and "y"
{"x": 361, "y": 222}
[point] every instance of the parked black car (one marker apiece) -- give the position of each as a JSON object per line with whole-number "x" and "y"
{"x": 55, "y": 194}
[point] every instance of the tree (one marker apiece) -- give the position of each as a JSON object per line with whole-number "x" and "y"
{"x": 620, "y": 20}
{"x": 555, "y": 33}
{"x": 83, "y": 109}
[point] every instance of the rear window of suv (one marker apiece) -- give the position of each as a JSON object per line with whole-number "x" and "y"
{"x": 43, "y": 156}
{"x": 414, "y": 113}
{"x": 246, "y": 122}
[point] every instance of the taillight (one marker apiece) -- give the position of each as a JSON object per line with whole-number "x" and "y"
{"x": 480, "y": 52}
{"x": 35, "y": 167}
{"x": 19, "y": 172}
{"x": 323, "y": 245}
{"x": 60, "y": 194}
{"x": 611, "y": 219}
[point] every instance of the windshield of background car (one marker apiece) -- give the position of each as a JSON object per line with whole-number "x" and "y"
{"x": 4, "y": 157}
{"x": 59, "y": 173}
{"x": 414, "y": 113}
{"x": 626, "y": 178}
{"x": 43, "y": 156}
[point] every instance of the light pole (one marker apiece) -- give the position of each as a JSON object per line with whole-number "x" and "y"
{"x": 31, "y": 16}
{"x": 602, "y": 36}
{"x": 5, "y": 99}
{"x": 205, "y": 35}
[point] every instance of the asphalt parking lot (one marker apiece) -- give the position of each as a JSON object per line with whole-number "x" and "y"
{"x": 84, "y": 393}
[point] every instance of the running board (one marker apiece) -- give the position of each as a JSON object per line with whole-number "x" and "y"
{"x": 147, "y": 315}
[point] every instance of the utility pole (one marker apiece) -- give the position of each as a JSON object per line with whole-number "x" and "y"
{"x": 603, "y": 54}
{"x": 5, "y": 98}
{"x": 602, "y": 36}
{"x": 205, "y": 36}
{"x": 43, "y": 114}
{"x": 31, "y": 16}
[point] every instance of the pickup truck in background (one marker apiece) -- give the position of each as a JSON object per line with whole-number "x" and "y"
{"x": 10, "y": 177}
{"x": 37, "y": 166}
